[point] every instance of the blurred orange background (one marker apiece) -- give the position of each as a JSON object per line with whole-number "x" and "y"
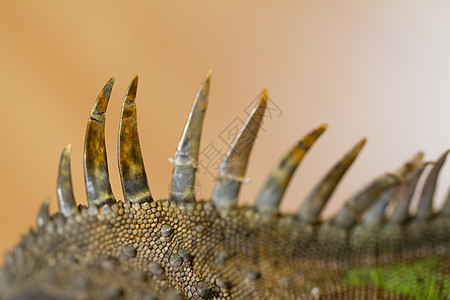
{"x": 379, "y": 69}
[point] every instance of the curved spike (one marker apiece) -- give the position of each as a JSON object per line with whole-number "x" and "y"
{"x": 186, "y": 156}
{"x": 64, "y": 189}
{"x": 232, "y": 169}
{"x": 375, "y": 216}
{"x": 404, "y": 195}
{"x": 98, "y": 187}
{"x": 270, "y": 196}
{"x": 43, "y": 216}
{"x": 312, "y": 207}
{"x": 359, "y": 203}
{"x": 426, "y": 199}
{"x": 131, "y": 166}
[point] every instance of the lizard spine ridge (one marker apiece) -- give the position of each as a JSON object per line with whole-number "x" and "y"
{"x": 178, "y": 248}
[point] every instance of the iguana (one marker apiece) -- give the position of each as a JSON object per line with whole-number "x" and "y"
{"x": 178, "y": 248}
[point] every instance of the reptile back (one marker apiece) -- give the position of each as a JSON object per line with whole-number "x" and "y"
{"x": 183, "y": 247}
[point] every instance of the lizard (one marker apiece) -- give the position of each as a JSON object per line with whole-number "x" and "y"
{"x": 185, "y": 248}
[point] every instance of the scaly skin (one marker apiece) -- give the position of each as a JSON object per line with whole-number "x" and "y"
{"x": 178, "y": 248}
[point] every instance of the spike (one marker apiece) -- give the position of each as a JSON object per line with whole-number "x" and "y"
{"x": 64, "y": 188}
{"x": 186, "y": 156}
{"x": 426, "y": 200}
{"x": 375, "y": 215}
{"x": 270, "y": 196}
{"x": 43, "y": 216}
{"x": 359, "y": 203}
{"x": 232, "y": 169}
{"x": 131, "y": 166}
{"x": 445, "y": 211}
{"x": 411, "y": 165}
{"x": 312, "y": 207}
{"x": 98, "y": 187}
{"x": 404, "y": 195}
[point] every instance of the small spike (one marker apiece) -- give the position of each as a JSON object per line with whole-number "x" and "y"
{"x": 312, "y": 207}
{"x": 404, "y": 195}
{"x": 64, "y": 189}
{"x": 270, "y": 196}
{"x": 43, "y": 216}
{"x": 186, "y": 156}
{"x": 359, "y": 203}
{"x": 426, "y": 200}
{"x": 131, "y": 166}
{"x": 232, "y": 169}
{"x": 375, "y": 216}
{"x": 98, "y": 187}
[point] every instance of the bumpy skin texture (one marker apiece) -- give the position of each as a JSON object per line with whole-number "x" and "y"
{"x": 165, "y": 250}
{"x": 171, "y": 249}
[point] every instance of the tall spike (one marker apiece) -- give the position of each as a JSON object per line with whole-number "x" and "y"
{"x": 375, "y": 215}
{"x": 64, "y": 189}
{"x": 186, "y": 156}
{"x": 131, "y": 166}
{"x": 359, "y": 203}
{"x": 404, "y": 195}
{"x": 312, "y": 207}
{"x": 426, "y": 200}
{"x": 98, "y": 187}
{"x": 43, "y": 216}
{"x": 270, "y": 196}
{"x": 232, "y": 169}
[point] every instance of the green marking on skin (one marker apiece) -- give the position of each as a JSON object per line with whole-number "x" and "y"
{"x": 419, "y": 279}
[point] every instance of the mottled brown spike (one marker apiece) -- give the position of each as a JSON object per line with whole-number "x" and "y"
{"x": 270, "y": 196}
{"x": 312, "y": 207}
{"x": 232, "y": 169}
{"x": 64, "y": 190}
{"x": 131, "y": 166}
{"x": 98, "y": 187}
{"x": 362, "y": 200}
{"x": 425, "y": 209}
{"x": 43, "y": 216}
{"x": 186, "y": 156}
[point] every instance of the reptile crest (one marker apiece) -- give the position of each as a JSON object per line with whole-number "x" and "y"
{"x": 182, "y": 248}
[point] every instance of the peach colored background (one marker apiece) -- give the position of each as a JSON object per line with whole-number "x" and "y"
{"x": 379, "y": 69}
